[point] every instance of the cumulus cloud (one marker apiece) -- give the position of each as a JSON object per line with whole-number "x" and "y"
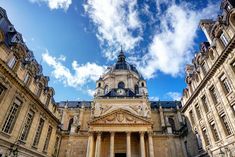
{"x": 83, "y": 73}
{"x": 117, "y": 24}
{"x": 172, "y": 47}
{"x": 174, "y": 95}
{"x": 154, "y": 98}
{"x": 55, "y": 4}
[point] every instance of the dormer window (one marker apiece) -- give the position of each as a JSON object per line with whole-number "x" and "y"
{"x": 11, "y": 63}
{"x": 48, "y": 100}
{"x": 121, "y": 85}
{"x": 26, "y": 78}
{"x": 38, "y": 90}
{"x": 224, "y": 39}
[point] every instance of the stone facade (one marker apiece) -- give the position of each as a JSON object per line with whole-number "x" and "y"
{"x": 209, "y": 99}
{"x": 121, "y": 121}
{"x": 29, "y": 117}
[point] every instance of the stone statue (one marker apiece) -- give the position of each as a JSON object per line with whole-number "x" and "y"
{"x": 98, "y": 110}
{"x": 76, "y": 120}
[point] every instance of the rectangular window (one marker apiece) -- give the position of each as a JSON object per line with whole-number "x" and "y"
{"x": 204, "y": 68}
{"x": 205, "y": 136}
{"x": 38, "y": 132}
{"x": 38, "y": 90}
{"x": 47, "y": 139}
{"x": 198, "y": 111}
{"x": 205, "y": 104}
{"x": 26, "y": 78}
{"x": 56, "y": 146}
{"x": 214, "y": 131}
{"x": 12, "y": 62}
{"x": 27, "y": 126}
{"x": 214, "y": 95}
{"x": 225, "y": 84}
{"x": 12, "y": 116}
{"x": 224, "y": 39}
{"x": 225, "y": 123}
{"x": 233, "y": 65}
{"x": 191, "y": 117}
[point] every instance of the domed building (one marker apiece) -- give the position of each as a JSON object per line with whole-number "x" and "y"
{"x": 121, "y": 121}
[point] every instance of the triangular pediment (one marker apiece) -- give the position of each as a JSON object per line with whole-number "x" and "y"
{"x": 120, "y": 116}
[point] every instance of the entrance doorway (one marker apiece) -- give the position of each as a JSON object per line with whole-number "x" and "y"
{"x": 120, "y": 154}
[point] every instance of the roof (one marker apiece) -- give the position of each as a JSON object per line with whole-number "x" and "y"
{"x": 87, "y": 104}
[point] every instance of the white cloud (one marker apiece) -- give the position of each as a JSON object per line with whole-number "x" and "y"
{"x": 174, "y": 95}
{"x": 91, "y": 92}
{"x": 172, "y": 48}
{"x": 55, "y": 4}
{"x": 116, "y": 21}
{"x": 83, "y": 73}
{"x": 154, "y": 98}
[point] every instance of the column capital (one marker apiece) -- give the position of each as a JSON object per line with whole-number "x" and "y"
{"x": 99, "y": 133}
{"x": 142, "y": 132}
{"x": 150, "y": 133}
{"x": 128, "y": 132}
{"x": 112, "y": 133}
{"x": 90, "y": 133}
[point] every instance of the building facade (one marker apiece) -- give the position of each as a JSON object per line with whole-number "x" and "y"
{"x": 121, "y": 121}
{"x": 209, "y": 99}
{"x": 29, "y": 117}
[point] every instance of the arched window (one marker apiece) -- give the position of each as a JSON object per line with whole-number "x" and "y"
{"x": 142, "y": 84}
{"x": 199, "y": 141}
{"x": 70, "y": 124}
{"x": 99, "y": 84}
{"x": 106, "y": 89}
{"x": 172, "y": 123}
{"x": 136, "y": 89}
{"x": 121, "y": 85}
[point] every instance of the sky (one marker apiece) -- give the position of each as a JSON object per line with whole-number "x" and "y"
{"x": 76, "y": 40}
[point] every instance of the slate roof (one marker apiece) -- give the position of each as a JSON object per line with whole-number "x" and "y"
{"x": 87, "y": 104}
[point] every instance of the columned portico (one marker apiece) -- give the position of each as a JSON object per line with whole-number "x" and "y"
{"x": 150, "y": 140}
{"x": 90, "y": 145}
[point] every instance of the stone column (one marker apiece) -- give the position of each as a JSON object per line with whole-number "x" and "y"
{"x": 98, "y": 145}
{"x": 162, "y": 117}
{"x": 112, "y": 144}
{"x": 90, "y": 145}
{"x": 151, "y": 151}
{"x": 128, "y": 144}
{"x": 142, "y": 144}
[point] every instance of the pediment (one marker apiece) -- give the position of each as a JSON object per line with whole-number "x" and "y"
{"x": 120, "y": 116}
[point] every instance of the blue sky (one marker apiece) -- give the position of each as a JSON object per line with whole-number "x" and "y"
{"x": 76, "y": 40}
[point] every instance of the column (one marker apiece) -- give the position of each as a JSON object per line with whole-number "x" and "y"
{"x": 112, "y": 144}
{"x": 98, "y": 145}
{"x": 151, "y": 151}
{"x": 142, "y": 144}
{"x": 128, "y": 144}
{"x": 90, "y": 145}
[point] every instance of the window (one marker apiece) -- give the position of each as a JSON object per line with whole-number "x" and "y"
{"x": 2, "y": 90}
{"x": 121, "y": 85}
{"x": 214, "y": 131}
{"x": 191, "y": 117}
{"x": 26, "y": 78}
{"x": 11, "y": 63}
{"x": 205, "y": 104}
{"x": 199, "y": 142}
{"x": 38, "y": 90}
{"x": 204, "y": 68}
{"x": 27, "y": 126}
{"x": 233, "y": 65}
{"x": 48, "y": 100}
{"x": 136, "y": 89}
{"x": 225, "y": 84}
{"x": 205, "y": 136}
{"x": 106, "y": 89}
{"x": 172, "y": 123}
{"x": 99, "y": 84}
{"x": 56, "y": 145}
{"x": 214, "y": 95}
{"x": 70, "y": 124}
{"x": 198, "y": 111}
{"x": 225, "y": 123}
{"x": 224, "y": 39}
{"x": 38, "y": 132}
{"x": 142, "y": 84}
{"x": 12, "y": 116}
{"x": 47, "y": 139}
